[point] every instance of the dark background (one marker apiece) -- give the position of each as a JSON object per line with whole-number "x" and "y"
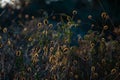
{"x": 84, "y": 8}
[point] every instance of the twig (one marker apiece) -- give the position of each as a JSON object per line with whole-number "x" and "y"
{"x": 2, "y": 12}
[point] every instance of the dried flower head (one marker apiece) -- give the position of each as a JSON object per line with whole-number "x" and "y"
{"x": 74, "y": 12}
{"x": 0, "y": 37}
{"x": 92, "y": 44}
{"x": 30, "y": 39}
{"x": 52, "y": 59}
{"x": 2, "y": 73}
{"x": 93, "y": 68}
{"x": 92, "y": 25}
{"x": 29, "y": 69}
{"x": 58, "y": 54}
{"x": 51, "y": 49}
{"x": 103, "y": 39}
{"x": 33, "y": 17}
{"x": 105, "y": 27}
{"x": 63, "y": 68}
{"x": 1, "y": 45}
{"x": 89, "y": 16}
{"x": 68, "y": 18}
{"x": 22, "y": 78}
{"x": 25, "y": 29}
{"x": 69, "y": 23}
{"x": 45, "y": 22}
{"x": 19, "y": 15}
{"x": 50, "y": 25}
{"x": 110, "y": 37}
{"x": 117, "y": 30}
{"x": 76, "y": 76}
{"x": 39, "y": 25}
{"x": 75, "y": 62}
{"x": 18, "y": 53}
{"x": 9, "y": 42}
{"x": 95, "y": 75}
{"x": 113, "y": 71}
{"x": 35, "y": 55}
{"x": 26, "y": 16}
{"x": 53, "y": 17}
{"x": 117, "y": 64}
{"x": 65, "y": 49}
{"x": 78, "y": 21}
{"x": 103, "y": 61}
{"x": 104, "y": 15}
{"x": 35, "y": 60}
{"x": 4, "y": 30}
{"x": 71, "y": 73}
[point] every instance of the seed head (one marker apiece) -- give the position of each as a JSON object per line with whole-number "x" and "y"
{"x": 4, "y": 30}
{"x": 105, "y": 27}
{"x": 45, "y": 22}
{"x": 39, "y": 24}
{"x": 93, "y": 68}
{"x": 18, "y": 53}
{"x": 74, "y": 12}
{"x": 104, "y": 15}
{"x": 89, "y": 16}
{"x": 113, "y": 71}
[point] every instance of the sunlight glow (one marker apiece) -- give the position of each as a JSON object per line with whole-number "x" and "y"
{"x": 12, "y": 3}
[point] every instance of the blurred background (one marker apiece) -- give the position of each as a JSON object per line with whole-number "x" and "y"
{"x": 11, "y": 10}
